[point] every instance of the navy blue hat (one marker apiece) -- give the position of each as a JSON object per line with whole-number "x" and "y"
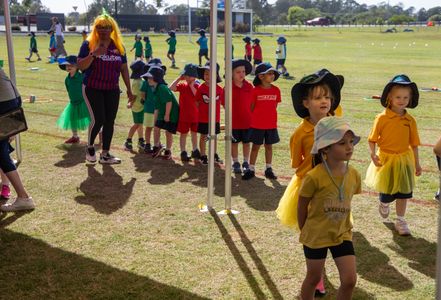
{"x": 300, "y": 90}
{"x": 201, "y": 71}
{"x": 190, "y": 70}
{"x": 281, "y": 39}
{"x": 138, "y": 68}
{"x": 264, "y": 68}
{"x": 146, "y": 39}
{"x": 68, "y": 60}
{"x": 172, "y": 33}
{"x": 402, "y": 80}
{"x": 201, "y": 31}
{"x": 256, "y": 40}
{"x": 156, "y": 62}
{"x": 31, "y": 33}
{"x": 242, "y": 62}
{"x": 246, "y": 39}
{"x": 155, "y": 72}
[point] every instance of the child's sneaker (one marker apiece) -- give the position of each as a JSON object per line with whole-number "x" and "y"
{"x": 320, "y": 289}
{"x": 167, "y": 155}
{"x": 19, "y": 204}
{"x": 402, "y": 228}
{"x": 436, "y": 197}
{"x": 156, "y": 151}
{"x": 90, "y": 155}
{"x": 270, "y": 174}
{"x": 6, "y": 192}
{"x": 109, "y": 159}
{"x": 196, "y": 154}
{"x": 27, "y": 58}
{"x": 148, "y": 149}
{"x": 383, "y": 209}
{"x": 184, "y": 156}
{"x": 128, "y": 145}
{"x": 217, "y": 159}
{"x": 72, "y": 140}
{"x": 248, "y": 174}
{"x": 245, "y": 166}
{"x": 236, "y": 168}
{"x": 204, "y": 159}
{"x": 141, "y": 144}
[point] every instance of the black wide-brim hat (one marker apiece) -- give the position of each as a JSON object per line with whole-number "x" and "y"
{"x": 155, "y": 72}
{"x": 156, "y": 62}
{"x": 242, "y": 62}
{"x": 264, "y": 68}
{"x": 256, "y": 41}
{"x": 403, "y": 80}
{"x": 246, "y": 39}
{"x": 190, "y": 70}
{"x": 201, "y": 31}
{"x": 201, "y": 71}
{"x": 138, "y": 68}
{"x": 68, "y": 60}
{"x": 300, "y": 90}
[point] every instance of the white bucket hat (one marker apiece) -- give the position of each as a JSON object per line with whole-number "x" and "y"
{"x": 330, "y": 130}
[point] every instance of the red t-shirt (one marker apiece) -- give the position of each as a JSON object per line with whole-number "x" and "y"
{"x": 248, "y": 49}
{"x": 257, "y": 52}
{"x": 241, "y": 105}
{"x": 264, "y": 114}
{"x": 188, "y": 110}
{"x": 203, "y": 99}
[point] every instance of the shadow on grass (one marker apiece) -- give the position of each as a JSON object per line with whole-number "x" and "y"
{"x": 32, "y": 269}
{"x": 7, "y": 219}
{"x": 74, "y": 155}
{"x": 420, "y": 252}
{"x": 331, "y": 292}
{"x": 105, "y": 192}
{"x": 373, "y": 265}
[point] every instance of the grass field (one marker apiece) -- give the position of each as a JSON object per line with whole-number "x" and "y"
{"x": 133, "y": 231}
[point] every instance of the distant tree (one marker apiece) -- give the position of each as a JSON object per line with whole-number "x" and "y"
{"x": 435, "y": 18}
{"x": 434, "y": 11}
{"x": 180, "y": 9}
{"x": 422, "y": 15}
{"x": 295, "y": 14}
{"x": 400, "y": 19}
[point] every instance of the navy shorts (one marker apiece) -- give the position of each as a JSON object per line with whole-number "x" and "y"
{"x": 6, "y": 163}
{"x": 241, "y": 136}
{"x": 344, "y": 249}
{"x": 203, "y": 128}
{"x": 171, "y": 52}
{"x": 388, "y": 198}
{"x": 264, "y": 136}
{"x": 280, "y": 62}
{"x": 169, "y": 126}
{"x": 203, "y": 52}
{"x": 34, "y": 50}
{"x": 257, "y": 61}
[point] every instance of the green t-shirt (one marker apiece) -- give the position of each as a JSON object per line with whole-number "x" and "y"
{"x": 149, "y": 101}
{"x": 163, "y": 96}
{"x": 137, "y": 106}
{"x": 172, "y": 44}
{"x": 148, "y": 49}
{"x": 74, "y": 87}
{"x": 138, "y": 48}
{"x": 33, "y": 43}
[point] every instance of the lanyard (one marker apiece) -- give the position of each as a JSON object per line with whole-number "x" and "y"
{"x": 341, "y": 187}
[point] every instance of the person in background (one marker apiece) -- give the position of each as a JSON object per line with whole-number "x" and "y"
{"x": 33, "y": 47}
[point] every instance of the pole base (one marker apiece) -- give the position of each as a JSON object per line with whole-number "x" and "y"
{"x": 204, "y": 208}
{"x": 228, "y": 212}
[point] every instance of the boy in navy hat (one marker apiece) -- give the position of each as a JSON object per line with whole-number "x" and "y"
{"x": 137, "y": 46}
{"x": 171, "y": 41}
{"x": 52, "y": 45}
{"x": 263, "y": 129}
{"x": 203, "y": 46}
{"x": 281, "y": 55}
{"x": 33, "y": 47}
{"x": 248, "y": 48}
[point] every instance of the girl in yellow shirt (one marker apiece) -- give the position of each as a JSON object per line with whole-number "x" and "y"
{"x": 394, "y": 165}
{"x": 324, "y": 206}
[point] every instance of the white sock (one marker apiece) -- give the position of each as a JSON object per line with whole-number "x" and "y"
{"x": 235, "y": 159}
{"x": 252, "y": 168}
{"x": 245, "y": 159}
{"x": 400, "y": 218}
{"x": 268, "y": 166}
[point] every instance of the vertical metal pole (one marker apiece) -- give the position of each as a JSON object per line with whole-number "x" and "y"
{"x": 189, "y": 21}
{"x": 251, "y": 24}
{"x": 212, "y": 110}
{"x": 11, "y": 68}
{"x": 438, "y": 257}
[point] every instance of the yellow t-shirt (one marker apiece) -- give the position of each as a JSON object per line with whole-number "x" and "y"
{"x": 137, "y": 106}
{"x": 394, "y": 133}
{"x": 338, "y": 112}
{"x": 300, "y": 146}
{"x": 329, "y": 220}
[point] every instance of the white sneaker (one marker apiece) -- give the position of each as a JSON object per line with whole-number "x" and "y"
{"x": 19, "y": 204}
{"x": 384, "y": 209}
{"x": 402, "y": 228}
{"x": 90, "y": 155}
{"x": 109, "y": 159}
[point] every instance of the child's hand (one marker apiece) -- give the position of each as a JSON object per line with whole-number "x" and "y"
{"x": 129, "y": 104}
{"x": 418, "y": 170}
{"x": 376, "y": 160}
{"x": 167, "y": 119}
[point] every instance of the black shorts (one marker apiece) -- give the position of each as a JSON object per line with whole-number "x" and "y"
{"x": 388, "y": 198}
{"x": 264, "y": 136}
{"x": 257, "y": 61}
{"x": 280, "y": 62}
{"x": 241, "y": 135}
{"x": 344, "y": 249}
{"x": 171, "y": 52}
{"x": 248, "y": 57}
{"x": 203, "y": 128}
{"x": 203, "y": 52}
{"x": 34, "y": 50}
{"x": 169, "y": 126}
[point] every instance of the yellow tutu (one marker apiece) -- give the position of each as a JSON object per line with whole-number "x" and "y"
{"x": 396, "y": 175}
{"x": 287, "y": 209}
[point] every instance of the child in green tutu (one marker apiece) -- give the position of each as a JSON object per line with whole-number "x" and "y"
{"x": 75, "y": 115}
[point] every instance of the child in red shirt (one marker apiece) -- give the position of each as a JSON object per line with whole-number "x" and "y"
{"x": 248, "y": 48}
{"x": 264, "y": 118}
{"x": 203, "y": 100}
{"x": 257, "y": 53}
{"x": 187, "y": 86}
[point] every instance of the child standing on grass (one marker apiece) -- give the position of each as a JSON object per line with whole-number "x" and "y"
{"x": 257, "y": 53}
{"x": 316, "y": 96}
{"x": 138, "y": 68}
{"x": 171, "y": 41}
{"x": 76, "y": 114}
{"x": 324, "y": 208}
{"x": 242, "y": 97}
{"x": 281, "y": 55}
{"x": 187, "y": 86}
{"x": 148, "y": 50}
{"x": 166, "y": 111}
{"x": 84, "y": 35}
{"x": 33, "y": 47}
{"x": 203, "y": 46}
{"x": 263, "y": 127}
{"x": 248, "y": 54}
{"x": 52, "y": 44}
{"x": 203, "y": 102}
{"x": 138, "y": 47}
{"x": 393, "y": 168}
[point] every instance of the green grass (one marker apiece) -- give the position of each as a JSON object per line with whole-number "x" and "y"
{"x": 134, "y": 230}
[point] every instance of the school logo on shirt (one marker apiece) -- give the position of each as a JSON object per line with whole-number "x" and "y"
{"x": 107, "y": 57}
{"x": 335, "y": 209}
{"x": 266, "y": 97}
{"x": 206, "y": 98}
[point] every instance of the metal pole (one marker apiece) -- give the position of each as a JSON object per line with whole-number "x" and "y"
{"x": 11, "y": 68}
{"x": 438, "y": 257}
{"x": 189, "y": 21}
{"x": 251, "y": 24}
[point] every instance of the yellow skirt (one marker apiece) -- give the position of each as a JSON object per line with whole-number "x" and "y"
{"x": 396, "y": 175}
{"x": 287, "y": 209}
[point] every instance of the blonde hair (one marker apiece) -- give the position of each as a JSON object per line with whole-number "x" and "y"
{"x": 106, "y": 20}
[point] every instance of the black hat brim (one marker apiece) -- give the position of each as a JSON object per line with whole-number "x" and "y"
{"x": 201, "y": 71}
{"x": 299, "y": 93}
{"x": 257, "y": 81}
{"x": 415, "y": 93}
{"x": 244, "y": 63}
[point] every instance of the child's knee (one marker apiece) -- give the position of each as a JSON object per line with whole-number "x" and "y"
{"x": 313, "y": 278}
{"x": 349, "y": 281}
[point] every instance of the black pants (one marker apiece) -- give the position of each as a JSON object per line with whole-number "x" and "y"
{"x": 103, "y": 106}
